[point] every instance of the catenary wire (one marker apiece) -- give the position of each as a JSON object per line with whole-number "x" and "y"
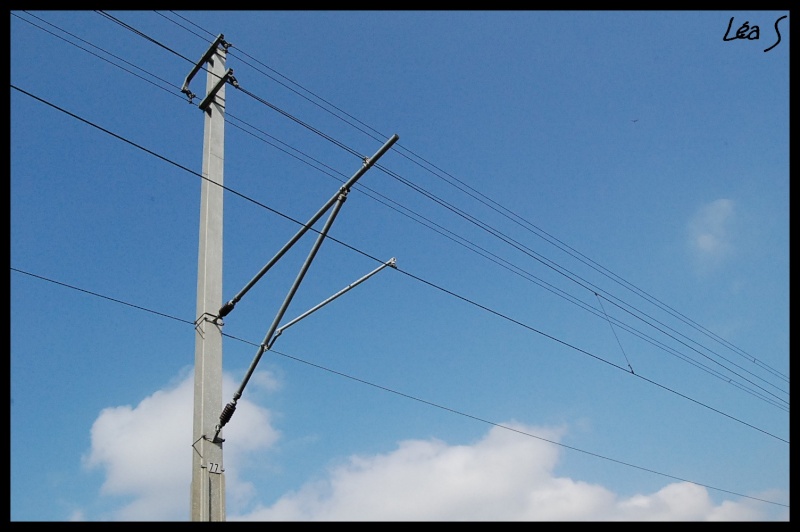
{"x": 420, "y": 279}
{"x": 499, "y": 261}
{"x": 506, "y": 212}
{"x": 446, "y": 205}
{"x": 492, "y": 204}
{"x": 514, "y": 243}
{"x": 141, "y": 34}
{"x": 567, "y": 297}
{"x": 101, "y": 57}
{"x": 562, "y": 271}
{"x": 593, "y": 264}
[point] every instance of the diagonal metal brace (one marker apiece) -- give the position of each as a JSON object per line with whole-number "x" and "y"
{"x": 391, "y": 263}
{"x": 368, "y": 163}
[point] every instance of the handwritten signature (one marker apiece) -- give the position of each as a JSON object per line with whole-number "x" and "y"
{"x": 751, "y": 33}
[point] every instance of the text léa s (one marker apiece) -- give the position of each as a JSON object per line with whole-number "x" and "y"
{"x": 751, "y": 33}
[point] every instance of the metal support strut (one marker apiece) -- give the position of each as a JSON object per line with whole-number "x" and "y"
{"x": 336, "y": 201}
{"x": 228, "y": 307}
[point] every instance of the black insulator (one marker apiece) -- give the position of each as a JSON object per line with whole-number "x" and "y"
{"x": 226, "y": 414}
{"x": 226, "y": 308}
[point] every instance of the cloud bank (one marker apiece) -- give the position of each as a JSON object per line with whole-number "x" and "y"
{"x": 143, "y": 452}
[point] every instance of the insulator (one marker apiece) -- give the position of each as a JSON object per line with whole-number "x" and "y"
{"x": 226, "y": 308}
{"x": 226, "y": 414}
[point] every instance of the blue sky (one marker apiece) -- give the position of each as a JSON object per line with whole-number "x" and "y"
{"x": 589, "y": 319}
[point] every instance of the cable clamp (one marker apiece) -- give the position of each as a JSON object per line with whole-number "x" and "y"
{"x": 207, "y": 316}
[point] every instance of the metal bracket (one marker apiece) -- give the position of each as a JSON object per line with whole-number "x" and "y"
{"x": 203, "y": 60}
{"x": 213, "y": 92}
{"x": 207, "y": 316}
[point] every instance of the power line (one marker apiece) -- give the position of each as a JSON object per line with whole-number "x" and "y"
{"x": 475, "y": 194}
{"x": 141, "y": 34}
{"x": 614, "y": 331}
{"x": 563, "y": 271}
{"x": 423, "y": 281}
{"x": 547, "y": 262}
{"x": 405, "y": 211}
{"x": 184, "y": 27}
{"x": 500, "y": 235}
{"x": 99, "y": 56}
{"x": 432, "y": 404}
{"x": 408, "y": 396}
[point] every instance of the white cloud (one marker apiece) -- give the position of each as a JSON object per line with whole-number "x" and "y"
{"x": 144, "y": 452}
{"x": 503, "y": 477}
{"x": 709, "y": 233}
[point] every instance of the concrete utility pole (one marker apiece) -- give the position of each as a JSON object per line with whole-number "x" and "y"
{"x": 208, "y": 478}
{"x": 208, "y": 473}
